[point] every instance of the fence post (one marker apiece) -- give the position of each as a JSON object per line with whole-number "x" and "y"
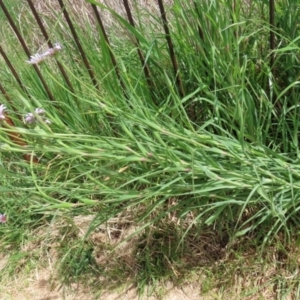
{"x": 171, "y": 47}
{"x": 15, "y": 29}
{"x": 37, "y": 18}
{"x": 78, "y": 44}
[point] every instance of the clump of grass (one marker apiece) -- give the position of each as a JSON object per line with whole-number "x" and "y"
{"x": 211, "y": 143}
{"x": 157, "y": 254}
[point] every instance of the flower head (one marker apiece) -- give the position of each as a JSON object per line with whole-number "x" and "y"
{"x": 2, "y": 109}
{"x": 29, "y": 118}
{"x": 3, "y": 218}
{"x": 38, "y": 58}
{"x": 32, "y": 118}
{"x": 40, "y": 111}
{"x": 57, "y": 47}
{"x": 49, "y": 52}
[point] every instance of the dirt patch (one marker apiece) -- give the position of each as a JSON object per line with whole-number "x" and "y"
{"x": 225, "y": 277}
{"x": 38, "y": 286}
{"x": 43, "y": 284}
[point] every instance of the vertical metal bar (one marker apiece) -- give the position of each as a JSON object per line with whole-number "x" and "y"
{"x": 171, "y": 47}
{"x": 272, "y": 33}
{"x": 113, "y": 59}
{"x": 16, "y": 31}
{"x": 233, "y": 7}
{"x": 141, "y": 56}
{"x": 3, "y": 91}
{"x": 200, "y": 31}
{"x": 76, "y": 39}
{"x": 12, "y": 69}
{"x": 40, "y": 24}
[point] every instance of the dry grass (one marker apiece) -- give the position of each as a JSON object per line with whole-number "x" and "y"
{"x": 48, "y": 9}
{"x": 214, "y": 272}
{"x": 52, "y": 17}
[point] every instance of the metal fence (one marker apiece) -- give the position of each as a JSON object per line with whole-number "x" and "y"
{"x": 127, "y": 7}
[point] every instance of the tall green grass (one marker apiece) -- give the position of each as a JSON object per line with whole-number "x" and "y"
{"x": 225, "y": 153}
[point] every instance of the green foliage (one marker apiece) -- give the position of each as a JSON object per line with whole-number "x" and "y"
{"x": 156, "y": 253}
{"x": 77, "y": 262}
{"x": 226, "y": 152}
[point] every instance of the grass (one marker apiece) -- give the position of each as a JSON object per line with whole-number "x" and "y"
{"x": 192, "y": 167}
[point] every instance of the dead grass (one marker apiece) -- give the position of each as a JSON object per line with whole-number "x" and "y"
{"x": 210, "y": 270}
{"x": 142, "y": 8}
{"x": 144, "y": 13}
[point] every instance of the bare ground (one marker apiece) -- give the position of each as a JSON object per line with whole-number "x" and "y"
{"x": 248, "y": 278}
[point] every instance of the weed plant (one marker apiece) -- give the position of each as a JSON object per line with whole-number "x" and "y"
{"x": 217, "y": 154}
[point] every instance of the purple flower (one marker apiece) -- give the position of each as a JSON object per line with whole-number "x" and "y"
{"x": 40, "y": 111}
{"x": 57, "y": 47}
{"x": 2, "y": 109}
{"x": 3, "y": 218}
{"x": 38, "y": 58}
{"x": 31, "y": 118}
